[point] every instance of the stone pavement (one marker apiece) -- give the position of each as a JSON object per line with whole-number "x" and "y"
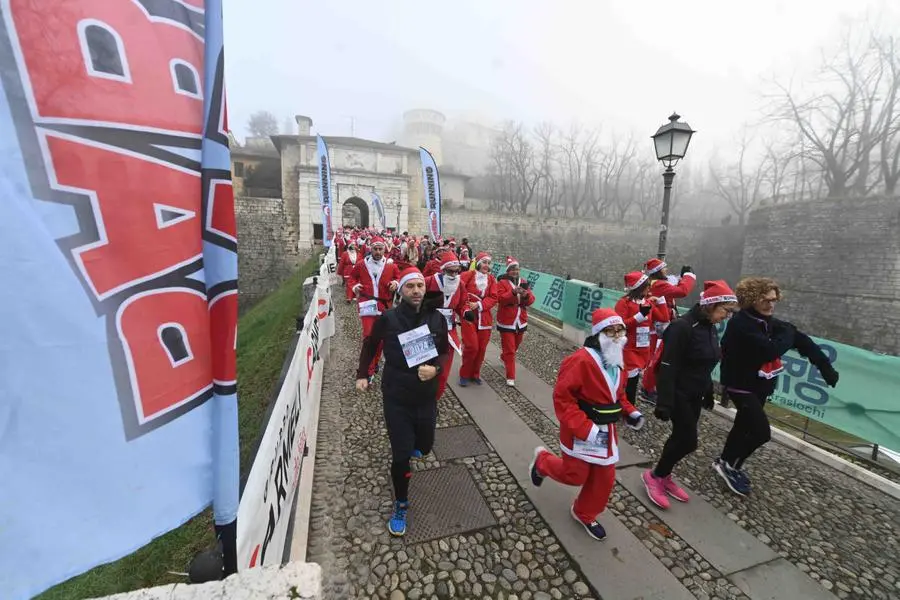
{"x": 804, "y": 532}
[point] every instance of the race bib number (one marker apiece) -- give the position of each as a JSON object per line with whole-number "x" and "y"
{"x": 418, "y": 346}
{"x": 369, "y": 308}
{"x": 448, "y": 314}
{"x": 642, "y": 339}
{"x": 599, "y": 447}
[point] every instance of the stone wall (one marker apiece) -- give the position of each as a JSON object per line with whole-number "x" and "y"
{"x": 838, "y": 262}
{"x": 598, "y": 251}
{"x": 266, "y": 253}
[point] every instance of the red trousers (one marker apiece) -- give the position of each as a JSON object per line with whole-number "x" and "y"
{"x": 367, "y": 324}
{"x": 348, "y": 289}
{"x": 648, "y": 381}
{"x": 475, "y": 342}
{"x": 509, "y": 344}
{"x": 444, "y": 375}
{"x": 596, "y": 481}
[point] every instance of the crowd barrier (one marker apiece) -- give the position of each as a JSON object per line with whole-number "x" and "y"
{"x": 267, "y": 502}
{"x": 864, "y": 404}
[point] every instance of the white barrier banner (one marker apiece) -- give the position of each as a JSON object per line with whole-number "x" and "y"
{"x": 266, "y": 504}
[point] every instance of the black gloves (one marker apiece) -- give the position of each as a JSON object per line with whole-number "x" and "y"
{"x": 663, "y": 413}
{"x": 524, "y": 285}
{"x": 645, "y": 309}
{"x": 469, "y": 316}
{"x": 686, "y": 269}
{"x": 829, "y": 374}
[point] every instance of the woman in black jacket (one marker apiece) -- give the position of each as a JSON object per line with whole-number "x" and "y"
{"x": 684, "y": 384}
{"x": 752, "y": 347}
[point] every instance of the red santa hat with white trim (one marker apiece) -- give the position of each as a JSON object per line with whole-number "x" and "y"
{"x": 410, "y": 274}
{"x": 634, "y": 280}
{"x": 716, "y": 292}
{"x": 377, "y": 240}
{"x": 511, "y": 263}
{"x": 483, "y": 257}
{"x": 448, "y": 261}
{"x": 654, "y": 265}
{"x": 602, "y": 318}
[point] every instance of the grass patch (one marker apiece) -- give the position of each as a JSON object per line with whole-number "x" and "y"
{"x": 264, "y": 334}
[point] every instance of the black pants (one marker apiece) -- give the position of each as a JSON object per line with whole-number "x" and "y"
{"x": 683, "y": 440}
{"x": 631, "y": 389}
{"x": 750, "y": 430}
{"x": 410, "y": 426}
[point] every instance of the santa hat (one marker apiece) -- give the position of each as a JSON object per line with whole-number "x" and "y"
{"x": 464, "y": 254}
{"x": 654, "y": 265}
{"x": 716, "y": 292}
{"x": 448, "y": 261}
{"x": 376, "y": 241}
{"x": 410, "y": 274}
{"x": 483, "y": 257}
{"x": 511, "y": 263}
{"x": 603, "y": 318}
{"x": 634, "y": 280}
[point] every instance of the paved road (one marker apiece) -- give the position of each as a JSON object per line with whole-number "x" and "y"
{"x": 782, "y": 543}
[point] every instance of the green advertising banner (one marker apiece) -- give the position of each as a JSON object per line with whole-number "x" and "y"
{"x": 866, "y": 402}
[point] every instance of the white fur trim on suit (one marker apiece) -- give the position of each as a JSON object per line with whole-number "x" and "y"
{"x": 613, "y": 320}
{"x": 661, "y": 300}
{"x": 640, "y": 318}
{"x": 690, "y": 275}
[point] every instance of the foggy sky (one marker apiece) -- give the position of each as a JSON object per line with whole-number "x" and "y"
{"x": 626, "y": 65}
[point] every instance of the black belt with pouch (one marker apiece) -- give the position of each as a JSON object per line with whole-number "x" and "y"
{"x": 601, "y": 414}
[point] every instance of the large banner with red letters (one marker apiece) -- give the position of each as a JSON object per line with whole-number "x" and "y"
{"x": 118, "y": 281}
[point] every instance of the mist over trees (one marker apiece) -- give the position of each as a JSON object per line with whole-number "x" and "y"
{"x": 262, "y": 123}
{"x": 833, "y": 133}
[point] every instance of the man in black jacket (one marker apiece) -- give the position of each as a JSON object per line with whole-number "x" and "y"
{"x": 752, "y": 347}
{"x": 684, "y": 384}
{"x": 416, "y": 348}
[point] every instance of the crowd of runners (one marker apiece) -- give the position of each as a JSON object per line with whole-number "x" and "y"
{"x": 422, "y": 300}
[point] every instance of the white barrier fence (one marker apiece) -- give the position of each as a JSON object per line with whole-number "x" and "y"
{"x": 267, "y": 502}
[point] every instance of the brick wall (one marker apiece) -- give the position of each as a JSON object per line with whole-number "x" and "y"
{"x": 598, "y": 251}
{"x": 264, "y": 248}
{"x": 838, "y": 262}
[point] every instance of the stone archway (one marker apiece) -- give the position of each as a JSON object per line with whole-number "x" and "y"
{"x": 355, "y": 213}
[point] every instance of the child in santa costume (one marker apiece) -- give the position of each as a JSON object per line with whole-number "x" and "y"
{"x": 452, "y": 304}
{"x": 664, "y": 285}
{"x": 373, "y": 281}
{"x": 640, "y": 312}
{"x": 349, "y": 258}
{"x": 480, "y": 288}
{"x": 513, "y": 300}
{"x": 589, "y": 398}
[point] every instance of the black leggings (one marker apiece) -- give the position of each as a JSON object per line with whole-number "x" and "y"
{"x": 410, "y": 427}
{"x": 631, "y": 388}
{"x": 683, "y": 440}
{"x": 750, "y": 430}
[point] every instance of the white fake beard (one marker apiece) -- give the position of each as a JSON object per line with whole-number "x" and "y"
{"x": 481, "y": 280}
{"x": 451, "y": 283}
{"x": 611, "y": 349}
{"x": 352, "y": 255}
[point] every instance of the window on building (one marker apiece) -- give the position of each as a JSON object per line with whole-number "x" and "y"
{"x": 185, "y": 78}
{"x": 103, "y": 50}
{"x": 238, "y": 169}
{"x": 317, "y": 232}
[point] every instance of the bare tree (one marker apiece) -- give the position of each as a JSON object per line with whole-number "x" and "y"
{"x": 738, "y": 184}
{"x": 262, "y": 123}
{"x": 649, "y": 191}
{"x": 516, "y": 171}
{"x": 889, "y": 150}
{"x": 548, "y": 198}
{"x": 577, "y": 160}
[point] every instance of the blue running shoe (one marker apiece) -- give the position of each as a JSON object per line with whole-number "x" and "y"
{"x": 417, "y": 454}
{"x": 732, "y": 477}
{"x": 463, "y": 382}
{"x": 593, "y": 529}
{"x": 477, "y": 380}
{"x": 397, "y": 524}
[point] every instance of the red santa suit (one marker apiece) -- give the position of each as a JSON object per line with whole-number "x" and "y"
{"x": 480, "y": 288}
{"x": 349, "y": 258}
{"x": 371, "y": 281}
{"x": 590, "y": 451}
{"x": 454, "y": 305}
{"x": 672, "y": 288}
{"x": 638, "y": 349}
{"x": 512, "y": 317}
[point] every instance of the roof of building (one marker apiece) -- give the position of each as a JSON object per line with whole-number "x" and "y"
{"x": 283, "y": 140}
{"x": 255, "y": 151}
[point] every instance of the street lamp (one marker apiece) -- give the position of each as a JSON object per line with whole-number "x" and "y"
{"x": 671, "y": 143}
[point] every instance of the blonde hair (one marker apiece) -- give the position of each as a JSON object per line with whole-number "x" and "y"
{"x": 750, "y": 290}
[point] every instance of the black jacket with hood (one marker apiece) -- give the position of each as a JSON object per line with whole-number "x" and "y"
{"x": 690, "y": 353}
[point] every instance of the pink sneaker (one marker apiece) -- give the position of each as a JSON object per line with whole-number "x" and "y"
{"x": 656, "y": 489}
{"x": 674, "y": 490}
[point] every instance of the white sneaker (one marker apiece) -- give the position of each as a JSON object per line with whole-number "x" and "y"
{"x": 511, "y": 382}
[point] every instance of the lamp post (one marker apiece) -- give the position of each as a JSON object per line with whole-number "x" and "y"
{"x": 671, "y": 144}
